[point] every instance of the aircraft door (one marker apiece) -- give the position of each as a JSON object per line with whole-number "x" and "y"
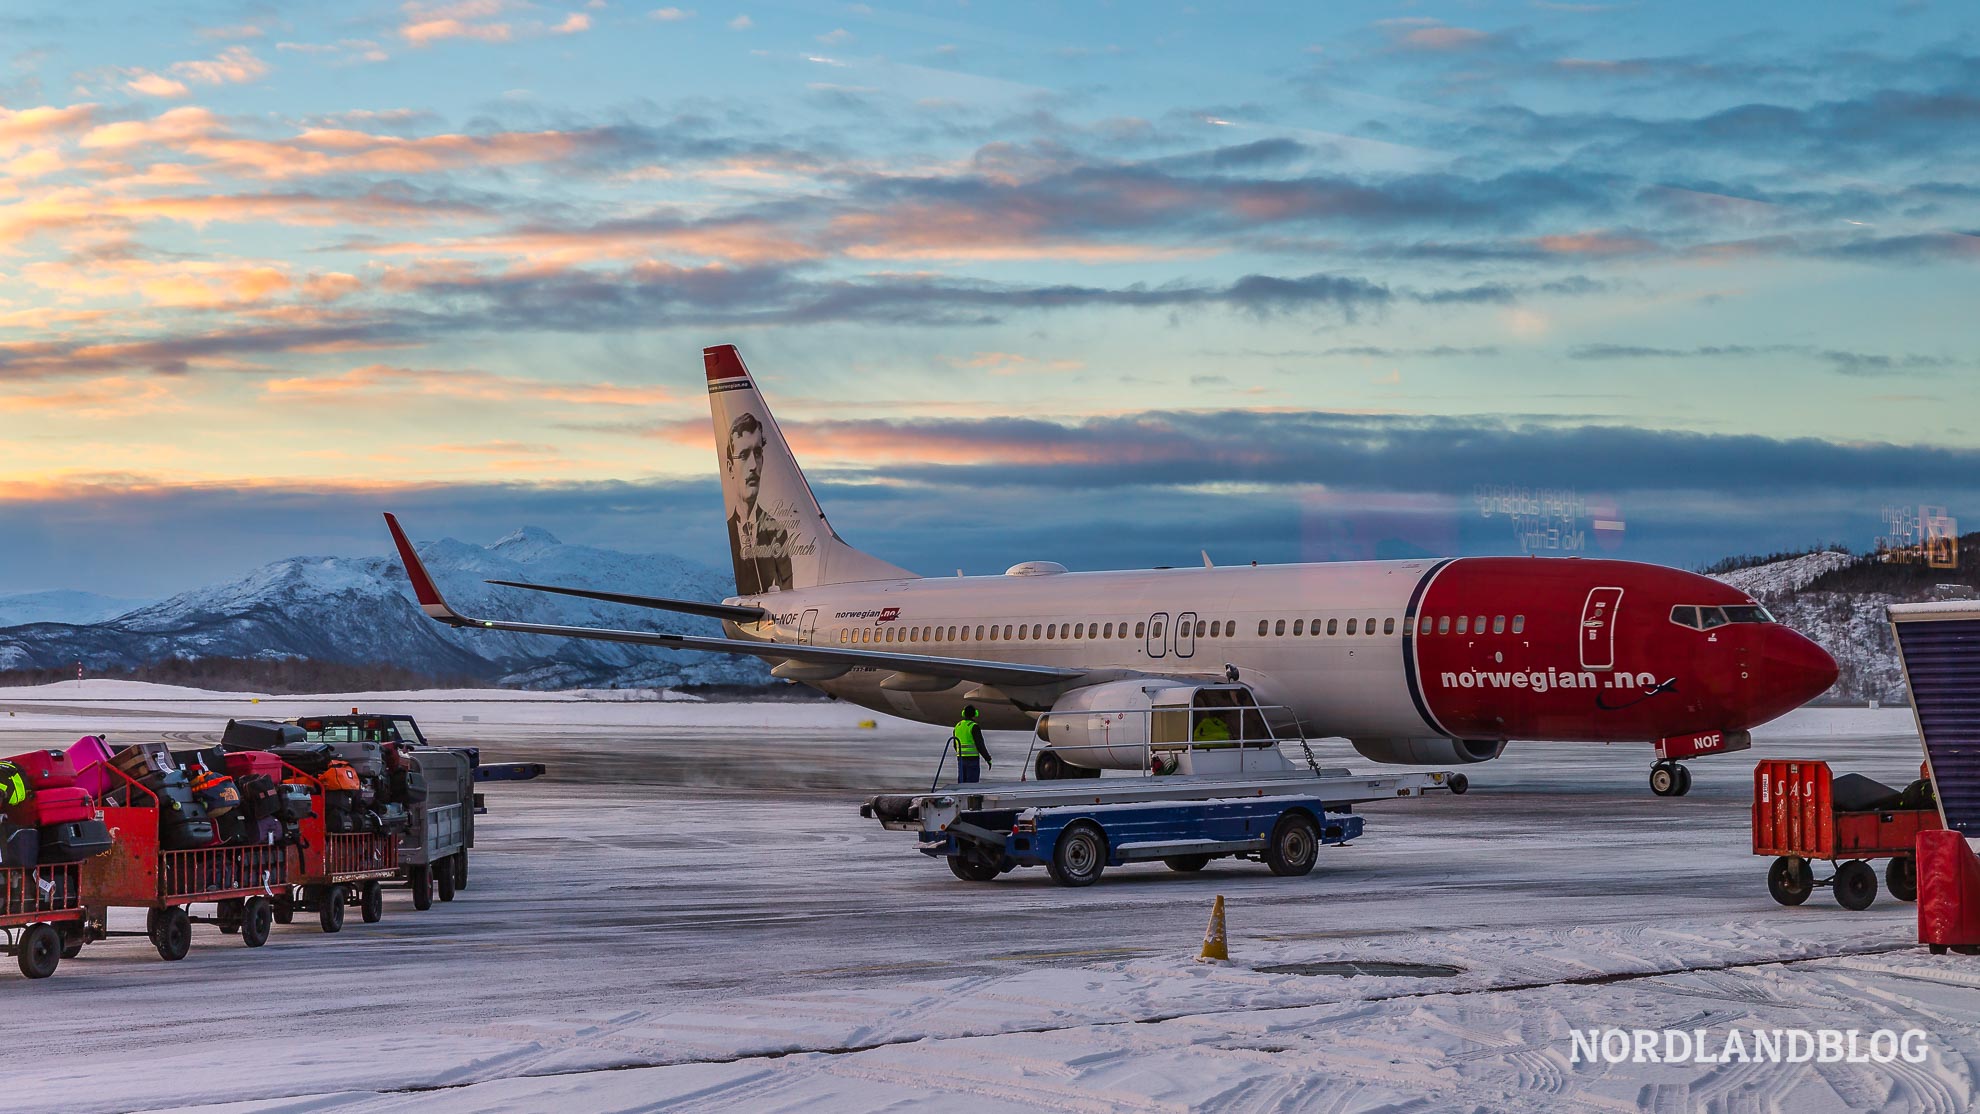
{"x": 1598, "y": 628}
{"x": 1186, "y": 634}
{"x": 1158, "y": 634}
{"x": 807, "y": 626}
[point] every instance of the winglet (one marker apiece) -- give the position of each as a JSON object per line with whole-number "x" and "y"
{"x": 430, "y": 600}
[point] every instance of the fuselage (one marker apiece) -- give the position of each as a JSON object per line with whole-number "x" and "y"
{"x": 1476, "y": 648}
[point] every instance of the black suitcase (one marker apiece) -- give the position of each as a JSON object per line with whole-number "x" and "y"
{"x": 231, "y": 827}
{"x": 364, "y": 756}
{"x": 75, "y": 841}
{"x": 340, "y": 811}
{"x": 20, "y": 847}
{"x": 185, "y": 834}
{"x": 260, "y": 734}
{"x": 310, "y": 758}
{"x": 260, "y": 798}
{"x": 393, "y": 818}
{"x": 294, "y": 803}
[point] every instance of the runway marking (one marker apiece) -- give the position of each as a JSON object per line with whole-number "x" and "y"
{"x": 1157, "y": 1019}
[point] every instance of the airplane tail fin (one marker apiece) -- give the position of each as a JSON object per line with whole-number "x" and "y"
{"x": 778, "y": 535}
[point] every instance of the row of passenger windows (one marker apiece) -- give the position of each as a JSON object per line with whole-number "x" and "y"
{"x": 1214, "y": 628}
{"x": 1440, "y": 624}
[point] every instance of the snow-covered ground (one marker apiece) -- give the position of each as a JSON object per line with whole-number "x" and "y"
{"x": 689, "y": 914}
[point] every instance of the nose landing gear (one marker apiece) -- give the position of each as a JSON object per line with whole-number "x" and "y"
{"x": 1669, "y": 778}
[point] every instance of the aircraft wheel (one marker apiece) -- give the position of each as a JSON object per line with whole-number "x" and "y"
{"x": 1080, "y": 855}
{"x": 1664, "y": 779}
{"x": 1683, "y": 781}
{"x": 1936, "y": 949}
{"x": 1790, "y": 880}
{"x": 1855, "y": 885}
{"x": 1901, "y": 878}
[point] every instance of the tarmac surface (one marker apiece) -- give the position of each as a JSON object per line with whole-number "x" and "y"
{"x": 688, "y": 859}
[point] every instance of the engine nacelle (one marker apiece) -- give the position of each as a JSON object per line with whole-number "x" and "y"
{"x": 1428, "y": 752}
{"x": 1119, "y": 724}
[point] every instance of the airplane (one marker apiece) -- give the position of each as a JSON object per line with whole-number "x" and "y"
{"x": 1420, "y": 661}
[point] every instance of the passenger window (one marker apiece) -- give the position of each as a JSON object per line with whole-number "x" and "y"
{"x": 1200, "y": 627}
{"x": 1443, "y": 624}
{"x": 1007, "y": 632}
{"x": 1158, "y": 630}
{"x": 1279, "y": 627}
{"x": 1052, "y": 632}
{"x": 1107, "y": 631}
{"x": 1478, "y": 625}
{"x": 1350, "y": 626}
{"x": 1498, "y": 624}
{"x": 1709, "y": 617}
{"x": 1299, "y": 626}
{"x": 1426, "y": 626}
{"x": 952, "y": 634}
{"x": 1685, "y": 616}
{"x": 1263, "y": 625}
{"x": 1389, "y": 625}
{"x": 1519, "y": 624}
{"x": 842, "y": 637}
{"x": 1464, "y": 622}
{"x": 1333, "y": 626}
{"x": 1141, "y": 630}
{"x": 993, "y": 634}
{"x": 1079, "y": 630}
{"x": 1369, "y": 627}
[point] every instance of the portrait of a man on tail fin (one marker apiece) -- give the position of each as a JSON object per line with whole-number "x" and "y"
{"x": 760, "y": 543}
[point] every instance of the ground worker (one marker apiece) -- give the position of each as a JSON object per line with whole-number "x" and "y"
{"x": 971, "y": 753}
{"x": 13, "y": 786}
{"x": 1212, "y": 729}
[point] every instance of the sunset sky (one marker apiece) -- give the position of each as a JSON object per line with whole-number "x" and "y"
{"x": 1101, "y": 283}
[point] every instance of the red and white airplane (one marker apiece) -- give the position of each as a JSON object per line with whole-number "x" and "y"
{"x": 1428, "y": 662}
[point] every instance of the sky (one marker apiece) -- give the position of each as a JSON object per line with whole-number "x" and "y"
{"x": 1108, "y": 284}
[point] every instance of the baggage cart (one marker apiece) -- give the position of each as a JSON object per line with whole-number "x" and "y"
{"x": 329, "y": 871}
{"x": 1796, "y": 820}
{"x": 433, "y": 854}
{"x": 138, "y": 872}
{"x": 41, "y": 915}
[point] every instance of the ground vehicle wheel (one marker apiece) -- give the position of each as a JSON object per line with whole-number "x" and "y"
{"x": 421, "y": 880}
{"x": 330, "y": 910}
{"x": 1683, "y": 781}
{"x": 969, "y": 868}
{"x": 229, "y": 915}
{"x": 173, "y": 936}
{"x": 1080, "y": 855}
{"x": 1790, "y": 880}
{"x": 445, "y": 874}
{"x": 460, "y": 870}
{"x": 1936, "y": 949}
{"x": 40, "y": 950}
{"x": 1186, "y": 864}
{"x": 371, "y": 902}
{"x": 73, "y": 939}
{"x": 285, "y": 908}
{"x": 1294, "y": 846}
{"x": 1855, "y": 885}
{"x": 257, "y": 921}
{"x": 1901, "y": 878}
{"x": 1663, "y": 779}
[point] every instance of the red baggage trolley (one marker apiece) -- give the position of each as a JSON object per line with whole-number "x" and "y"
{"x": 331, "y": 870}
{"x": 1796, "y": 820}
{"x": 41, "y": 915}
{"x": 139, "y": 873}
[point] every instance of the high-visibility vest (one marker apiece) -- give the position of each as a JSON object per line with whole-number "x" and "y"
{"x": 13, "y": 787}
{"x": 968, "y": 741}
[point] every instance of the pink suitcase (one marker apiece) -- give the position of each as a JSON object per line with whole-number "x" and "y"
{"x": 90, "y": 759}
{"x": 241, "y": 762}
{"x": 57, "y": 805}
{"x": 45, "y": 769}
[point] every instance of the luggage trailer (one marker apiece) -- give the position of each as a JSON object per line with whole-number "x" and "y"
{"x": 41, "y": 916}
{"x": 329, "y": 871}
{"x": 1076, "y": 829}
{"x": 137, "y": 872}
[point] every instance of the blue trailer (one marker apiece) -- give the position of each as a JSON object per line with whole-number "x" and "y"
{"x": 1077, "y": 830}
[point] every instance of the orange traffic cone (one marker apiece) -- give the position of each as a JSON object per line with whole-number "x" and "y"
{"x": 1215, "y": 947}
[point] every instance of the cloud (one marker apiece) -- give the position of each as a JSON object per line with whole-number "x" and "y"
{"x": 367, "y": 384}
{"x": 474, "y": 20}
{"x": 236, "y": 65}
{"x": 27, "y": 125}
{"x": 153, "y": 85}
{"x": 671, "y": 15}
{"x": 572, "y": 24}
{"x": 741, "y": 23}
{"x": 1839, "y": 360}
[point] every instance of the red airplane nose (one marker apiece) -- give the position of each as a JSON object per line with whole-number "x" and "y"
{"x": 1794, "y": 667}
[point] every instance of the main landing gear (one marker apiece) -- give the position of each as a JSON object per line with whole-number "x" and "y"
{"x": 1670, "y": 779}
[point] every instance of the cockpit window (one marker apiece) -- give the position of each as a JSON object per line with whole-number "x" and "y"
{"x": 1747, "y": 613}
{"x": 1685, "y": 616}
{"x": 1709, "y": 617}
{"x": 1706, "y": 618}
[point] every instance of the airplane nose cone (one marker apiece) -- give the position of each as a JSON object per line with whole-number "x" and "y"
{"x": 1795, "y": 667}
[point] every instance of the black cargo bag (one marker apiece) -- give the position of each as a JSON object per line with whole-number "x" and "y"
{"x": 19, "y": 847}
{"x": 1856, "y": 793}
{"x": 75, "y": 841}
{"x": 295, "y": 802}
{"x": 260, "y": 734}
{"x": 310, "y": 758}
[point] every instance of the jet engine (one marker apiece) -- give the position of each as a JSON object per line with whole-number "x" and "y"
{"x": 1428, "y": 752}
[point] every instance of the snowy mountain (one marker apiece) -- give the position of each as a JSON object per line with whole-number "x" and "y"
{"x": 360, "y": 610}
{"x": 62, "y": 606}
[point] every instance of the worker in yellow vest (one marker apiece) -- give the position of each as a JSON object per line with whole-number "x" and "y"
{"x": 971, "y": 752}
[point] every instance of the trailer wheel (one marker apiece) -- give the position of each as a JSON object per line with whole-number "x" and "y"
{"x": 173, "y": 936}
{"x": 1855, "y": 885}
{"x": 1790, "y": 880}
{"x": 1294, "y": 846}
{"x": 285, "y": 907}
{"x": 971, "y": 869}
{"x": 371, "y": 902}
{"x": 40, "y": 950}
{"x": 446, "y": 876}
{"x": 257, "y": 921}
{"x": 460, "y": 870}
{"x": 1901, "y": 878}
{"x": 1186, "y": 864}
{"x": 229, "y": 915}
{"x": 330, "y": 910}
{"x": 1080, "y": 854}
{"x": 74, "y": 936}
{"x": 420, "y": 878}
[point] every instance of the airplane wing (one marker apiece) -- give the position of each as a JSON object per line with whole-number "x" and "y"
{"x": 962, "y": 669}
{"x": 734, "y": 612}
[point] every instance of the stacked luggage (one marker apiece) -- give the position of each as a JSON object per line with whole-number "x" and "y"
{"x": 211, "y": 797}
{"x": 366, "y": 786}
{"x": 48, "y": 813}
